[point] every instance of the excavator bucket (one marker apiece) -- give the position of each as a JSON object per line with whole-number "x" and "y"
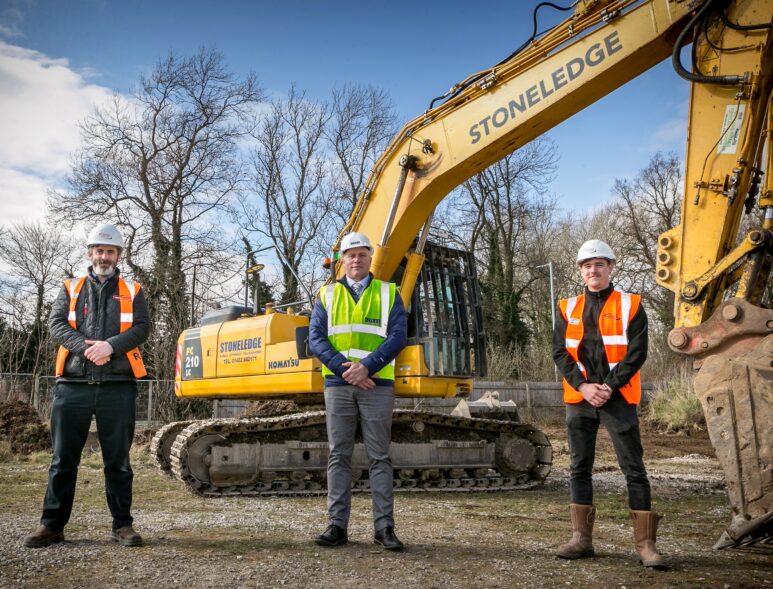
{"x": 737, "y": 399}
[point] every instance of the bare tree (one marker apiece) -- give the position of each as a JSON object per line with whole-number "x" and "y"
{"x": 15, "y": 340}
{"x": 37, "y": 257}
{"x": 362, "y": 123}
{"x": 647, "y": 206}
{"x": 497, "y": 214}
{"x": 163, "y": 164}
{"x": 291, "y": 202}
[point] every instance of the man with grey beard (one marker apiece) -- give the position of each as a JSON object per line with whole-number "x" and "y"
{"x": 99, "y": 320}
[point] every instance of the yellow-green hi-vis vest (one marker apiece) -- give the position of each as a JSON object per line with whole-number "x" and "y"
{"x": 357, "y": 328}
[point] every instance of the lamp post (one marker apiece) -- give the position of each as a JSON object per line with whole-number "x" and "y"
{"x": 552, "y": 305}
{"x": 193, "y": 297}
{"x": 253, "y": 269}
{"x": 255, "y": 272}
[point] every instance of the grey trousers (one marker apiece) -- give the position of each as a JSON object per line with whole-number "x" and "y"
{"x": 622, "y": 422}
{"x": 344, "y": 406}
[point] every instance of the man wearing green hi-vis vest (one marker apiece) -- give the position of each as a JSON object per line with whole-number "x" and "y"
{"x": 357, "y": 329}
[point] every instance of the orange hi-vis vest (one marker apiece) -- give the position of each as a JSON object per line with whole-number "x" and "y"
{"x": 126, "y": 293}
{"x": 616, "y": 315}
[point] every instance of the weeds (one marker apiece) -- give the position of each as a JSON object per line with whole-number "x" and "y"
{"x": 90, "y": 458}
{"x": 675, "y": 407}
{"x": 502, "y": 360}
{"x": 530, "y": 362}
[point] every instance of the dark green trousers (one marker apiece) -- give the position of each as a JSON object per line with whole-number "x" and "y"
{"x": 113, "y": 404}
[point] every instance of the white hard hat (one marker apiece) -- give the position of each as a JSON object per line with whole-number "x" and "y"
{"x": 105, "y": 234}
{"x": 352, "y": 240}
{"x": 594, "y": 248}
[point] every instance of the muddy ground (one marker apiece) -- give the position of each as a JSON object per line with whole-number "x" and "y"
{"x": 453, "y": 540}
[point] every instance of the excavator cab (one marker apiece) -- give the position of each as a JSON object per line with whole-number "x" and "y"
{"x": 445, "y": 316}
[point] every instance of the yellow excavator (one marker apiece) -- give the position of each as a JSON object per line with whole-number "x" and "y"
{"x": 719, "y": 278}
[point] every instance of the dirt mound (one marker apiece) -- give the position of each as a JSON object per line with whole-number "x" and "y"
{"x": 271, "y": 408}
{"x": 21, "y": 426}
{"x": 142, "y": 437}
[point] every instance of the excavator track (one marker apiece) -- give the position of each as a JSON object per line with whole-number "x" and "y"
{"x": 287, "y": 455}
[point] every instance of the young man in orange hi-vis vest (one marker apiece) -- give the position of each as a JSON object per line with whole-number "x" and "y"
{"x": 99, "y": 320}
{"x": 599, "y": 346}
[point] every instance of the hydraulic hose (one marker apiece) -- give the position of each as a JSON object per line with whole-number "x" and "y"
{"x": 458, "y": 89}
{"x": 727, "y": 22}
{"x": 676, "y": 54}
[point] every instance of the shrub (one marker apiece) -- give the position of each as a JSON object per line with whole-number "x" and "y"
{"x": 502, "y": 360}
{"x": 531, "y": 362}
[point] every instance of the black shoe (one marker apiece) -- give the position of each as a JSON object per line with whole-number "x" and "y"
{"x": 388, "y": 539}
{"x": 333, "y": 536}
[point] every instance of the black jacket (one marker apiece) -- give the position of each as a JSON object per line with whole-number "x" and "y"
{"x": 98, "y": 317}
{"x": 591, "y": 351}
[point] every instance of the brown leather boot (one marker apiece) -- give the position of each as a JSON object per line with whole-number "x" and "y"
{"x": 126, "y": 536}
{"x": 43, "y": 536}
{"x": 581, "y": 544}
{"x": 645, "y": 529}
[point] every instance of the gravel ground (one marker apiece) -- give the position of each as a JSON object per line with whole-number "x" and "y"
{"x": 453, "y": 540}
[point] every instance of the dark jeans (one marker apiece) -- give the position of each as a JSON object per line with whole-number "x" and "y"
{"x": 74, "y": 404}
{"x": 622, "y": 422}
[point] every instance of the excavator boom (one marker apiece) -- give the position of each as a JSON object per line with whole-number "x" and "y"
{"x": 496, "y": 111}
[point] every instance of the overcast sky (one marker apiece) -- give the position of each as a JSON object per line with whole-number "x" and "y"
{"x": 58, "y": 59}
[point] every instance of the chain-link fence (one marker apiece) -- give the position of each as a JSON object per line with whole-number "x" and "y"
{"x": 153, "y": 396}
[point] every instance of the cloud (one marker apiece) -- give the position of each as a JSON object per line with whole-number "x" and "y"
{"x": 9, "y": 31}
{"x": 42, "y": 100}
{"x": 670, "y": 135}
{"x": 12, "y": 17}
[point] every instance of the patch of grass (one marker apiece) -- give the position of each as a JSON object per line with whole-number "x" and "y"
{"x": 675, "y": 408}
{"x": 6, "y": 455}
{"x": 140, "y": 455}
{"x": 40, "y": 457}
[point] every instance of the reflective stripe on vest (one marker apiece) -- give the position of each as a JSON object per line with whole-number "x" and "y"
{"x": 358, "y": 328}
{"x": 126, "y": 293}
{"x": 616, "y": 314}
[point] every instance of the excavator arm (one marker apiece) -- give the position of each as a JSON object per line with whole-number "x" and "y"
{"x": 729, "y": 127}
{"x": 719, "y": 277}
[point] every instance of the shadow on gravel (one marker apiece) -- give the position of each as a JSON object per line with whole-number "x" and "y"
{"x": 242, "y": 544}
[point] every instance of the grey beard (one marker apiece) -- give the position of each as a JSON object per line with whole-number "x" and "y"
{"x": 107, "y": 272}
